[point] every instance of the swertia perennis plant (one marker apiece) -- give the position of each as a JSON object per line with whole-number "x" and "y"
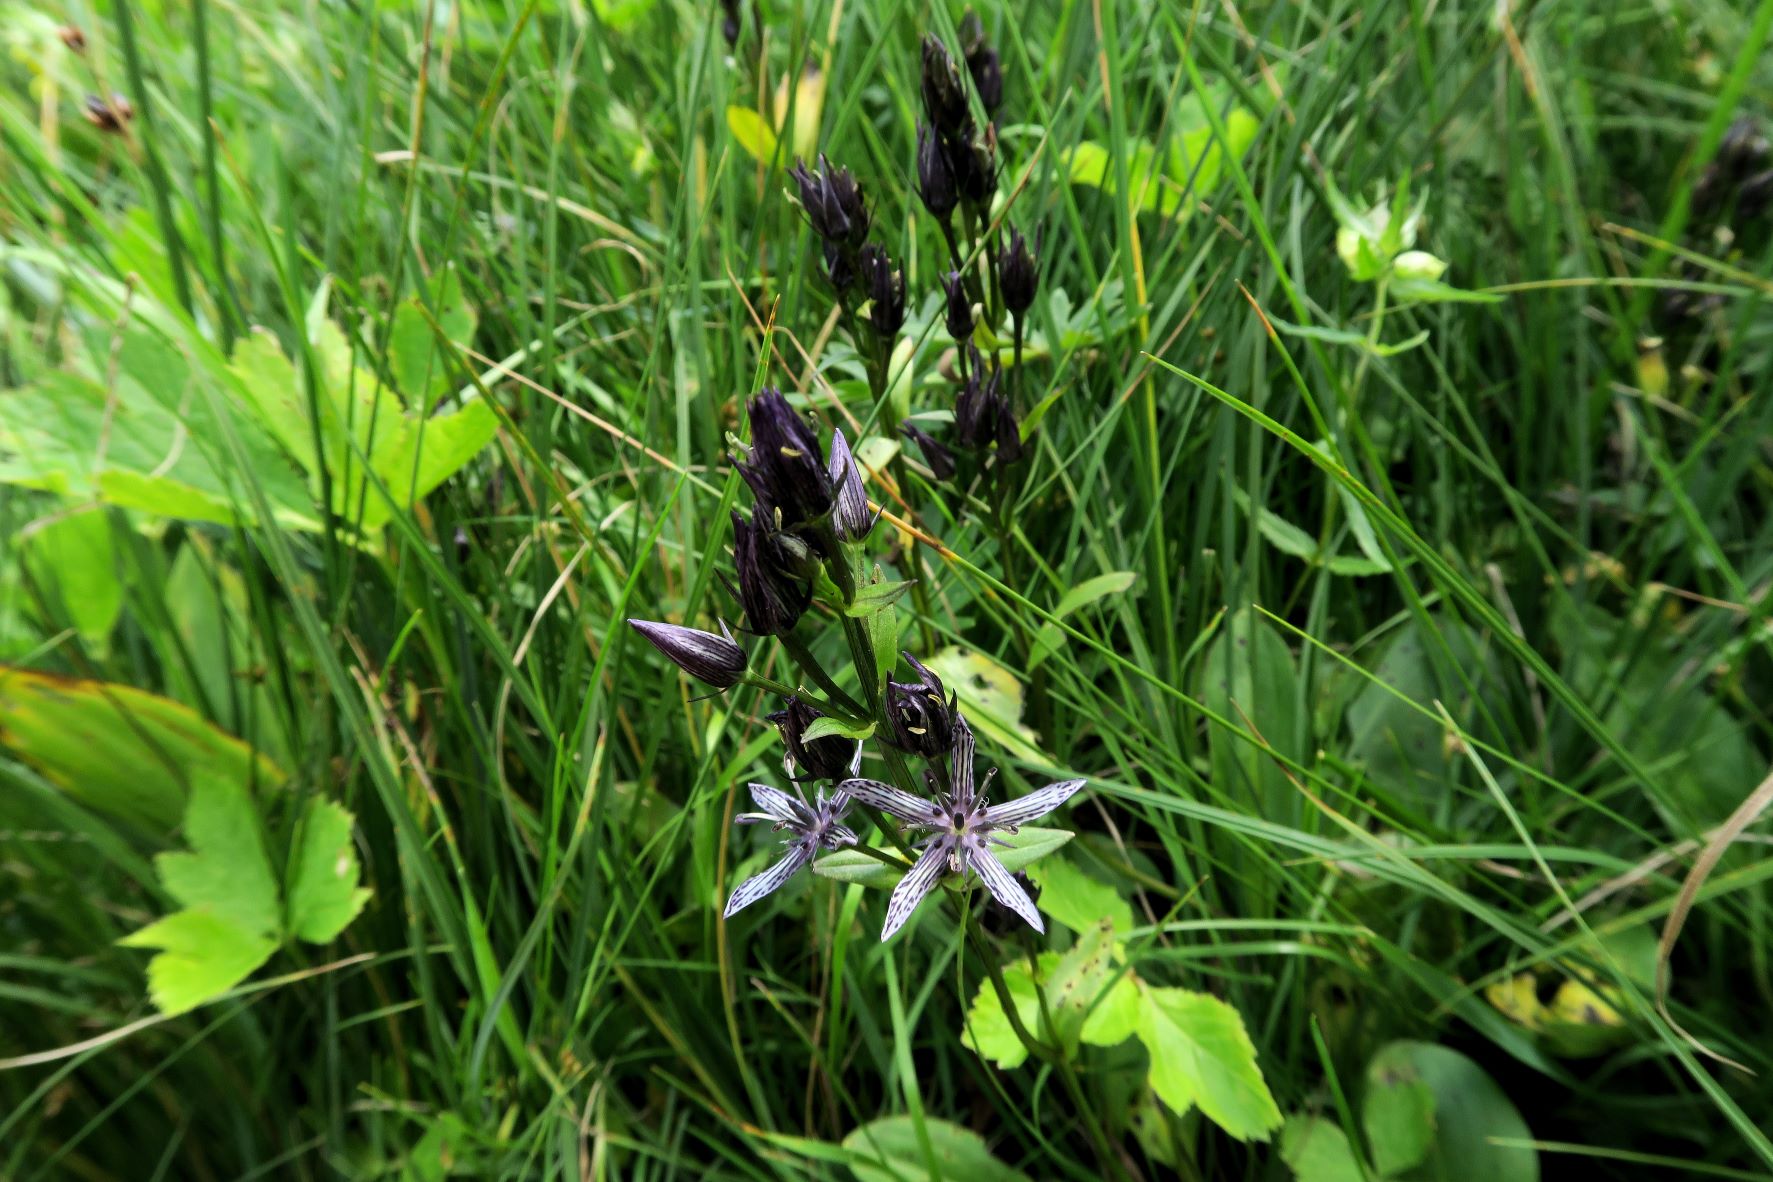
{"x": 804, "y": 545}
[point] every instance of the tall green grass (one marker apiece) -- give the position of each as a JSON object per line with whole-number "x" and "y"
{"x": 1349, "y": 798}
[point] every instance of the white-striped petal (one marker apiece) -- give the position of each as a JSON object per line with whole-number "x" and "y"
{"x": 1039, "y": 803}
{"x": 1004, "y": 887}
{"x": 918, "y": 882}
{"x": 963, "y": 764}
{"x": 759, "y": 885}
{"x": 896, "y": 801}
{"x": 779, "y": 804}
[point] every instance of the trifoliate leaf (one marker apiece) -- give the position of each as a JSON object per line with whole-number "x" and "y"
{"x": 203, "y": 955}
{"x": 988, "y": 1031}
{"x": 1116, "y": 1017}
{"x": 323, "y": 873}
{"x": 1202, "y": 1055}
{"x": 1073, "y": 982}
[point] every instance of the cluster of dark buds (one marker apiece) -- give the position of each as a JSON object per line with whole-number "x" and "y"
{"x": 983, "y": 415}
{"x": 1738, "y": 173}
{"x": 110, "y": 115}
{"x": 837, "y": 211}
{"x": 955, "y": 161}
{"x": 963, "y": 825}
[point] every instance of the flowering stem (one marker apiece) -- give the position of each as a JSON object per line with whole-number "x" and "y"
{"x": 809, "y": 665}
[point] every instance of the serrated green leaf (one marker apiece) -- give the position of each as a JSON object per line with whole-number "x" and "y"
{"x": 1398, "y": 1118}
{"x": 890, "y": 1150}
{"x": 226, "y": 871}
{"x": 1077, "y": 900}
{"x": 203, "y": 955}
{"x": 853, "y": 866}
{"x": 1317, "y": 1150}
{"x": 1201, "y": 1056}
{"x": 322, "y": 891}
{"x": 829, "y": 725}
{"x": 988, "y": 1031}
{"x": 1116, "y": 1017}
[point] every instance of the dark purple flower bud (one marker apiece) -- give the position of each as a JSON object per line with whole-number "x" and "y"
{"x": 786, "y": 468}
{"x": 111, "y": 115}
{"x": 1018, "y": 274}
{"x": 920, "y": 719}
{"x": 1009, "y": 432}
{"x": 935, "y": 180}
{"x": 982, "y": 62}
{"x": 1755, "y": 194}
{"x": 774, "y": 596}
{"x": 975, "y": 409}
{"x": 850, "y": 517}
{"x": 935, "y": 452}
{"x": 837, "y": 268}
{"x": 715, "y": 660}
{"x": 733, "y": 22}
{"x": 885, "y": 285}
{"x": 829, "y": 758}
{"x": 958, "y": 309}
{"x": 833, "y": 203}
{"x": 973, "y": 160}
{"x": 944, "y": 94}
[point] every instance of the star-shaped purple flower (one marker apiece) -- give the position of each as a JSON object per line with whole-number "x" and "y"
{"x": 814, "y": 826}
{"x": 963, "y": 825}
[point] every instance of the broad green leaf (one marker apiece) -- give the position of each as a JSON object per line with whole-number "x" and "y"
{"x": 1202, "y": 1056}
{"x": 1050, "y": 637}
{"x": 419, "y": 367}
{"x": 74, "y": 563}
{"x": 1318, "y": 1151}
{"x": 988, "y": 1031}
{"x": 1116, "y": 1017}
{"x": 226, "y": 871}
{"x": 883, "y": 638}
{"x": 1077, "y": 900}
{"x": 853, "y": 866}
{"x": 622, "y": 15}
{"x": 323, "y": 895}
{"x": 1403, "y": 750}
{"x": 1398, "y": 1118}
{"x": 991, "y": 698}
{"x": 203, "y": 955}
{"x": 1248, "y": 677}
{"x": 1471, "y": 1115}
{"x": 117, "y": 748}
{"x": 753, "y": 133}
{"x": 1072, "y": 982}
{"x": 828, "y": 725}
{"x": 889, "y": 1150}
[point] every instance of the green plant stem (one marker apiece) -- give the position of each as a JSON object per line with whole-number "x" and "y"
{"x": 810, "y": 666}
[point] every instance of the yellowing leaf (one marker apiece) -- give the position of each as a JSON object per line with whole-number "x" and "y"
{"x": 323, "y": 893}
{"x": 203, "y": 955}
{"x": 990, "y": 696}
{"x": 1202, "y": 1056}
{"x": 753, "y": 133}
{"x": 118, "y": 749}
